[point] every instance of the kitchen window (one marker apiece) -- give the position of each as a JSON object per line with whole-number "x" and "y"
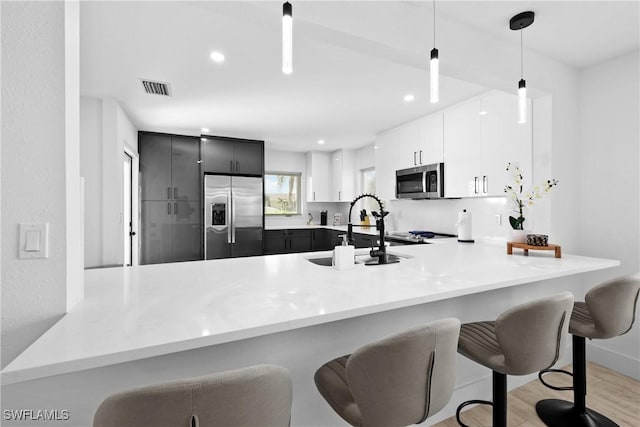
{"x": 282, "y": 193}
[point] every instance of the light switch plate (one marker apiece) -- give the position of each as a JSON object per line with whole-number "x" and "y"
{"x": 34, "y": 240}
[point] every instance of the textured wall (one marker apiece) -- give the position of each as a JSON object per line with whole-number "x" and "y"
{"x": 33, "y": 168}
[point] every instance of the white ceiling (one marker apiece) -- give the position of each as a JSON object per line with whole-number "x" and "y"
{"x": 336, "y": 93}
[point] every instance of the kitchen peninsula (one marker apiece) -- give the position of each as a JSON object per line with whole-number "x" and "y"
{"x": 148, "y": 324}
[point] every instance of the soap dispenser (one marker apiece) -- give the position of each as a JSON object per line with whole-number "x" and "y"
{"x": 344, "y": 255}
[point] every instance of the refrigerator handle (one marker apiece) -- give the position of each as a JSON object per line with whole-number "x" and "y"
{"x": 226, "y": 216}
{"x": 233, "y": 218}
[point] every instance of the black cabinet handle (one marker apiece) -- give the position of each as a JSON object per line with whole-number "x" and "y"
{"x": 485, "y": 184}
{"x": 175, "y": 208}
{"x": 420, "y": 158}
{"x": 168, "y": 208}
{"x": 339, "y": 195}
{"x": 314, "y": 196}
{"x": 175, "y": 192}
{"x": 414, "y": 159}
{"x": 237, "y": 166}
{"x": 168, "y": 193}
{"x": 231, "y": 165}
{"x": 475, "y": 184}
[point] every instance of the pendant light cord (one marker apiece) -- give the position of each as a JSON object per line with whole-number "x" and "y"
{"x": 434, "y": 24}
{"x": 521, "y": 54}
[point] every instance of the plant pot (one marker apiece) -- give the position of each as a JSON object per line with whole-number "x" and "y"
{"x": 518, "y": 236}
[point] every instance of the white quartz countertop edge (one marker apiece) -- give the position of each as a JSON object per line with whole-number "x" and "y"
{"x": 35, "y": 363}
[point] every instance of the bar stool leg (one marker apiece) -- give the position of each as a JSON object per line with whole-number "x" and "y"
{"x": 561, "y": 413}
{"x": 499, "y": 399}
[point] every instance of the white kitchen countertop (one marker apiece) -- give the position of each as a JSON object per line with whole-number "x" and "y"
{"x": 138, "y": 312}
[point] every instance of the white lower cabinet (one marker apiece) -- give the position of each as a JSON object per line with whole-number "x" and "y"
{"x": 480, "y": 137}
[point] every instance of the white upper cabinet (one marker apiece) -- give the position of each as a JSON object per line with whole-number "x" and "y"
{"x": 462, "y": 148}
{"x": 387, "y": 161}
{"x": 430, "y": 147}
{"x": 319, "y": 176}
{"x": 343, "y": 180}
{"x": 504, "y": 140}
{"x": 480, "y": 137}
{"x": 417, "y": 143}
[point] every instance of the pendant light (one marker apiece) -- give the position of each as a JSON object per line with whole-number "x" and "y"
{"x": 518, "y": 23}
{"x": 287, "y": 38}
{"x": 434, "y": 71}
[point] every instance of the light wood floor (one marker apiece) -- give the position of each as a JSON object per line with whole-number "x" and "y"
{"x": 611, "y": 394}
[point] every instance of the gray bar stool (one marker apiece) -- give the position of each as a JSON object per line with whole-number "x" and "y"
{"x": 608, "y": 311}
{"x": 397, "y": 381}
{"x": 249, "y": 397}
{"x": 522, "y": 340}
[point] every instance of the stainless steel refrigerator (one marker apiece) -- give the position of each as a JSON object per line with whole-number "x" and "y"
{"x": 233, "y": 207}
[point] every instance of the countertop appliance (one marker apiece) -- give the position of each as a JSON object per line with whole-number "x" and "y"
{"x": 421, "y": 182}
{"x": 233, "y": 216}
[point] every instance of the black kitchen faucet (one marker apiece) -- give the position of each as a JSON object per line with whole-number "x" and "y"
{"x": 381, "y": 252}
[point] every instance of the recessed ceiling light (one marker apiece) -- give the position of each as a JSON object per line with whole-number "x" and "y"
{"x": 375, "y": 147}
{"x": 321, "y": 141}
{"x": 205, "y": 130}
{"x": 409, "y": 97}
{"x": 217, "y": 57}
{"x": 483, "y": 113}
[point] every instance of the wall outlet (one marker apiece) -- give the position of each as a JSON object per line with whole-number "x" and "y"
{"x": 498, "y": 219}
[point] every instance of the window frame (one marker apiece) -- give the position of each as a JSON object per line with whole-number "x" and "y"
{"x": 298, "y": 192}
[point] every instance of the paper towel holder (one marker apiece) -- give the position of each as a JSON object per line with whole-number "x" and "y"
{"x": 464, "y": 240}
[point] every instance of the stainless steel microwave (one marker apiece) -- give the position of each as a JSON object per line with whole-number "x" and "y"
{"x": 421, "y": 182}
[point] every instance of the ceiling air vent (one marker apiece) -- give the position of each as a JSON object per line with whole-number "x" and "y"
{"x": 155, "y": 88}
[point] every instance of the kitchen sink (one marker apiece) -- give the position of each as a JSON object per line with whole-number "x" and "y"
{"x": 360, "y": 259}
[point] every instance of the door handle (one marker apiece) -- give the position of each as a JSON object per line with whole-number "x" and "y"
{"x": 475, "y": 184}
{"x": 175, "y": 192}
{"x": 168, "y": 208}
{"x": 485, "y": 184}
{"x": 175, "y": 208}
{"x": 414, "y": 159}
{"x": 420, "y": 158}
{"x": 226, "y": 216}
{"x": 168, "y": 193}
{"x": 233, "y": 218}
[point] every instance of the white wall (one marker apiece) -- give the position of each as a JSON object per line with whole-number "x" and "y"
{"x": 39, "y": 155}
{"x": 105, "y": 132}
{"x": 609, "y": 195}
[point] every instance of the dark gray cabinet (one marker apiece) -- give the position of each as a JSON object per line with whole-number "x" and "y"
{"x": 170, "y": 186}
{"x": 286, "y": 241}
{"x": 232, "y": 156}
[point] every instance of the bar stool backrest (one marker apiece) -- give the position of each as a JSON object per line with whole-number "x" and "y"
{"x": 612, "y": 305}
{"x": 402, "y": 379}
{"x": 254, "y": 396}
{"x": 532, "y": 334}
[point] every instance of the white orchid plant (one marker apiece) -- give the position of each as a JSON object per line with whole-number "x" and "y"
{"x": 521, "y": 198}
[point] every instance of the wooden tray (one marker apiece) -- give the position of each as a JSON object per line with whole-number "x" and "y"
{"x": 550, "y": 247}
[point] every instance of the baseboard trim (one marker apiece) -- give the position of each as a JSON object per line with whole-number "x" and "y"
{"x": 620, "y": 363}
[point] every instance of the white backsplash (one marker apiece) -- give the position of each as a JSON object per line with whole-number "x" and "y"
{"x": 442, "y": 215}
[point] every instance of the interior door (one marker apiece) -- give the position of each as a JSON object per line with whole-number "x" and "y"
{"x": 128, "y": 209}
{"x": 248, "y": 204}
{"x": 217, "y": 216}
